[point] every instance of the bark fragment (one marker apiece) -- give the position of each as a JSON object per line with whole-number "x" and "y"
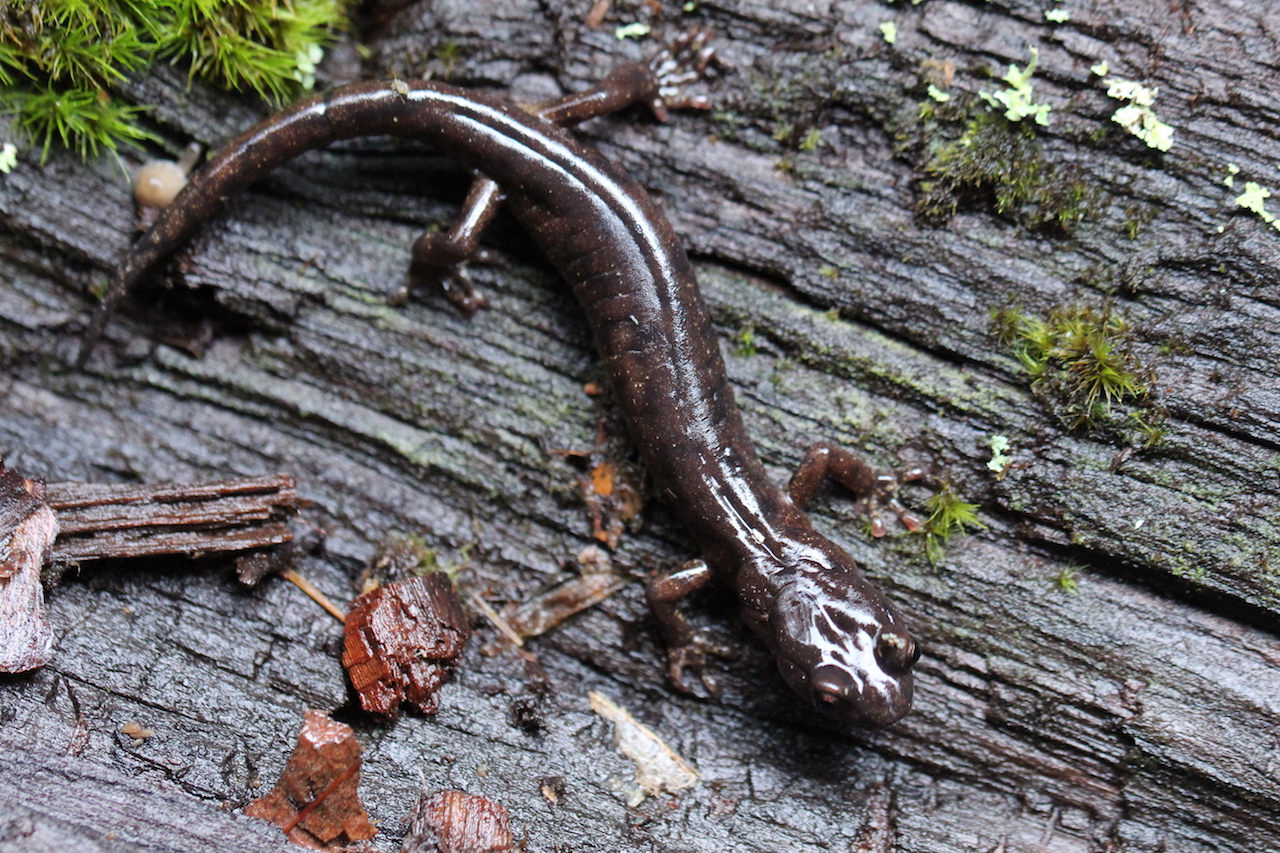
{"x": 27, "y": 531}
{"x": 317, "y": 801}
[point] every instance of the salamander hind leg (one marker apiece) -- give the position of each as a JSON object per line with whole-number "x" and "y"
{"x": 874, "y": 490}
{"x": 686, "y": 649}
{"x": 440, "y": 260}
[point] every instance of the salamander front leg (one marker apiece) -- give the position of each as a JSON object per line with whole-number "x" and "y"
{"x": 440, "y": 260}
{"x": 685, "y": 648}
{"x": 874, "y": 490}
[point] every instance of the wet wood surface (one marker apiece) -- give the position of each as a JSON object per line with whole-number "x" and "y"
{"x": 1138, "y": 713}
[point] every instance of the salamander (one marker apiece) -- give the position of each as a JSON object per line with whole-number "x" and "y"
{"x": 838, "y": 642}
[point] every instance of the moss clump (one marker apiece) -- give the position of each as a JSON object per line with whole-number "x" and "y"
{"x": 744, "y": 342}
{"x": 1066, "y": 581}
{"x": 1080, "y": 358}
{"x": 62, "y": 60}
{"x": 1000, "y": 163}
{"x": 948, "y": 516}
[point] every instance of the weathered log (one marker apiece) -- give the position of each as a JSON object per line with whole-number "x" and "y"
{"x": 1138, "y": 713}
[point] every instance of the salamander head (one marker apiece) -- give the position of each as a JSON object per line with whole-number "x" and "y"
{"x": 841, "y": 644}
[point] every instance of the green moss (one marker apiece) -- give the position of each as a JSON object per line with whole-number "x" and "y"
{"x": 948, "y": 516}
{"x": 791, "y": 98}
{"x": 812, "y": 140}
{"x": 999, "y": 163}
{"x": 448, "y": 55}
{"x": 61, "y": 61}
{"x": 744, "y": 342}
{"x": 1136, "y": 217}
{"x": 1080, "y": 357}
{"x": 1065, "y": 580}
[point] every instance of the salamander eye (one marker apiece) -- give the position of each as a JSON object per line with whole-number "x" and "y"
{"x": 896, "y": 651}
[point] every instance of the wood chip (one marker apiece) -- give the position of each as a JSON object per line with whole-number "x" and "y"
{"x": 402, "y": 642}
{"x": 458, "y": 822}
{"x": 317, "y": 801}
{"x": 104, "y": 520}
{"x": 658, "y": 767}
{"x": 28, "y": 528}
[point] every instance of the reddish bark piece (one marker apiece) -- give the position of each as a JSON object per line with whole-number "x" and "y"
{"x": 317, "y": 801}
{"x": 402, "y": 641}
{"x": 458, "y": 822}
{"x": 27, "y": 531}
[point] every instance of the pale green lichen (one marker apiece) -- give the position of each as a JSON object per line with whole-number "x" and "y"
{"x": 1137, "y": 117}
{"x": 1000, "y": 458}
{"x": 8, "y": 157}
{"x": 1057, "y": 16}
{"x": 1230, "y": 180}
{"x": 938, "y": 95}
{"x": 1016, "y": 100}
{"x": 307, "y": 59}
{"x": 632, "y": 31}
{"x": 1101, "y": 69}
{"x": 1254, "y": 199}
{"x": 890, "y": 31}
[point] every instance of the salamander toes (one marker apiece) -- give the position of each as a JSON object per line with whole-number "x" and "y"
{"x": 678, "y": 66}
{"x": 439, "y": 265}
{"x": 693, "y": 657}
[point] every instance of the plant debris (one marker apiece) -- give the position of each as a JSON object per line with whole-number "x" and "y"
{"x": 457, "y": 822}
{"x": 317, "y": 801}
{"x": 403, "y": 639}
{"x": 27, "y": 531}
{"x": 109, "y": 520}
{"x": 597, "y": 581}
{"x": 658, "y": 767}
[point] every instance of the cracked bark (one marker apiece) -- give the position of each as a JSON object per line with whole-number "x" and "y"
{"x": 1138, "y": 714}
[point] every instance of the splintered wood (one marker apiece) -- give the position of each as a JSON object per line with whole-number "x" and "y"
{"x": 658, "y": 767}
{"x": 401, "y": 643}
{"x": 27, "y": 531}
{"x": 458, "y": 822}
{"x": 98, "y": 521}
{"x": 317, "y": 801}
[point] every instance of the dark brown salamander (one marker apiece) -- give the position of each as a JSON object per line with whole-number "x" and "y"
{"x": 838, "y": 641}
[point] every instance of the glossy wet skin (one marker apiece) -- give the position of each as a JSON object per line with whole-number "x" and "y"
{"x": 839, "y": 643}
{"x": 844, "y": 647}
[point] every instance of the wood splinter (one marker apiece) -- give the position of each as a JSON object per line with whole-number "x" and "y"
{"x": 105, "y": 521}
{"x": 46, "y": 529}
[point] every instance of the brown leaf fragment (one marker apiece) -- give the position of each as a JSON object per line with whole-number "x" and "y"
{"x": 597, "y": 581}
{"x": 28, "y": 528}
{"x": 317, "y": 801}
{"x": 458, "y": 822}
{"x": 402, "y": 642}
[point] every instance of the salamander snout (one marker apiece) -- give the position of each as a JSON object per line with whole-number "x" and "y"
{"x": 841, "y": 645}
